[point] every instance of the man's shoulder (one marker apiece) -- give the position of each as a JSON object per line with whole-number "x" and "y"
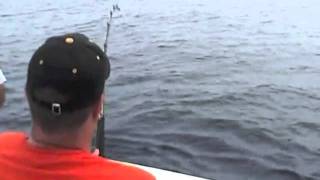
{"x": 8, "y": 136}
{"x": 9, "y": 140}
{"x": 124, "y": 171}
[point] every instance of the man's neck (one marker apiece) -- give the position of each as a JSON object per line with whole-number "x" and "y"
{"x": 59, "y": 140}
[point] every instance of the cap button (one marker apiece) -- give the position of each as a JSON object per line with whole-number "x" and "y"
{"x": 69, "y": 40}
{"x": 98, "y": 58}
{"x": 41, "y": 62}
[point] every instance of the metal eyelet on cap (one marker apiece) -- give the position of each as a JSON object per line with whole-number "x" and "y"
{"x": 69, "y": 40}
{"x": 98, "y": 58}
{"x": 41, "y": 61}
{"x": 74, "y": 70}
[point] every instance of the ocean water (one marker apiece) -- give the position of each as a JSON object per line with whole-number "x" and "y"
{"x": 218, "y": 89}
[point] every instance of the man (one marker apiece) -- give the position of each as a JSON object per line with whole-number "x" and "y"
{"x": 64, "y": 88}
{"x": 2, "y": 90}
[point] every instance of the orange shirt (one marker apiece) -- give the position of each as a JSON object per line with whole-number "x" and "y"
{"x": 20, "y": 160}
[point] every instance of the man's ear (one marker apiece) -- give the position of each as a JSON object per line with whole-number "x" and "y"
{"x": 2, "y": 94}
{"x": 98, "y": 108}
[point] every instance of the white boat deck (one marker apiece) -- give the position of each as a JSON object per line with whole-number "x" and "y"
{"x": 161, "y": 174}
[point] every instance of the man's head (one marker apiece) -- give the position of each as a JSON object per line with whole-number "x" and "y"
{"x": 65, "y": 83}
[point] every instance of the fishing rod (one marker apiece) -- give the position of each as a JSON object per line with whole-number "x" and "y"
{"x": 100, "y": 129}
{"x": 114, "y": 9}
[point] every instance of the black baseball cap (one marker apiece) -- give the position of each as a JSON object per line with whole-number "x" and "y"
{"x": 67, "y": 73}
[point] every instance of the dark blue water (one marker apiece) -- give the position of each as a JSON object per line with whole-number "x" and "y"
{"x": 218, "y": 89}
